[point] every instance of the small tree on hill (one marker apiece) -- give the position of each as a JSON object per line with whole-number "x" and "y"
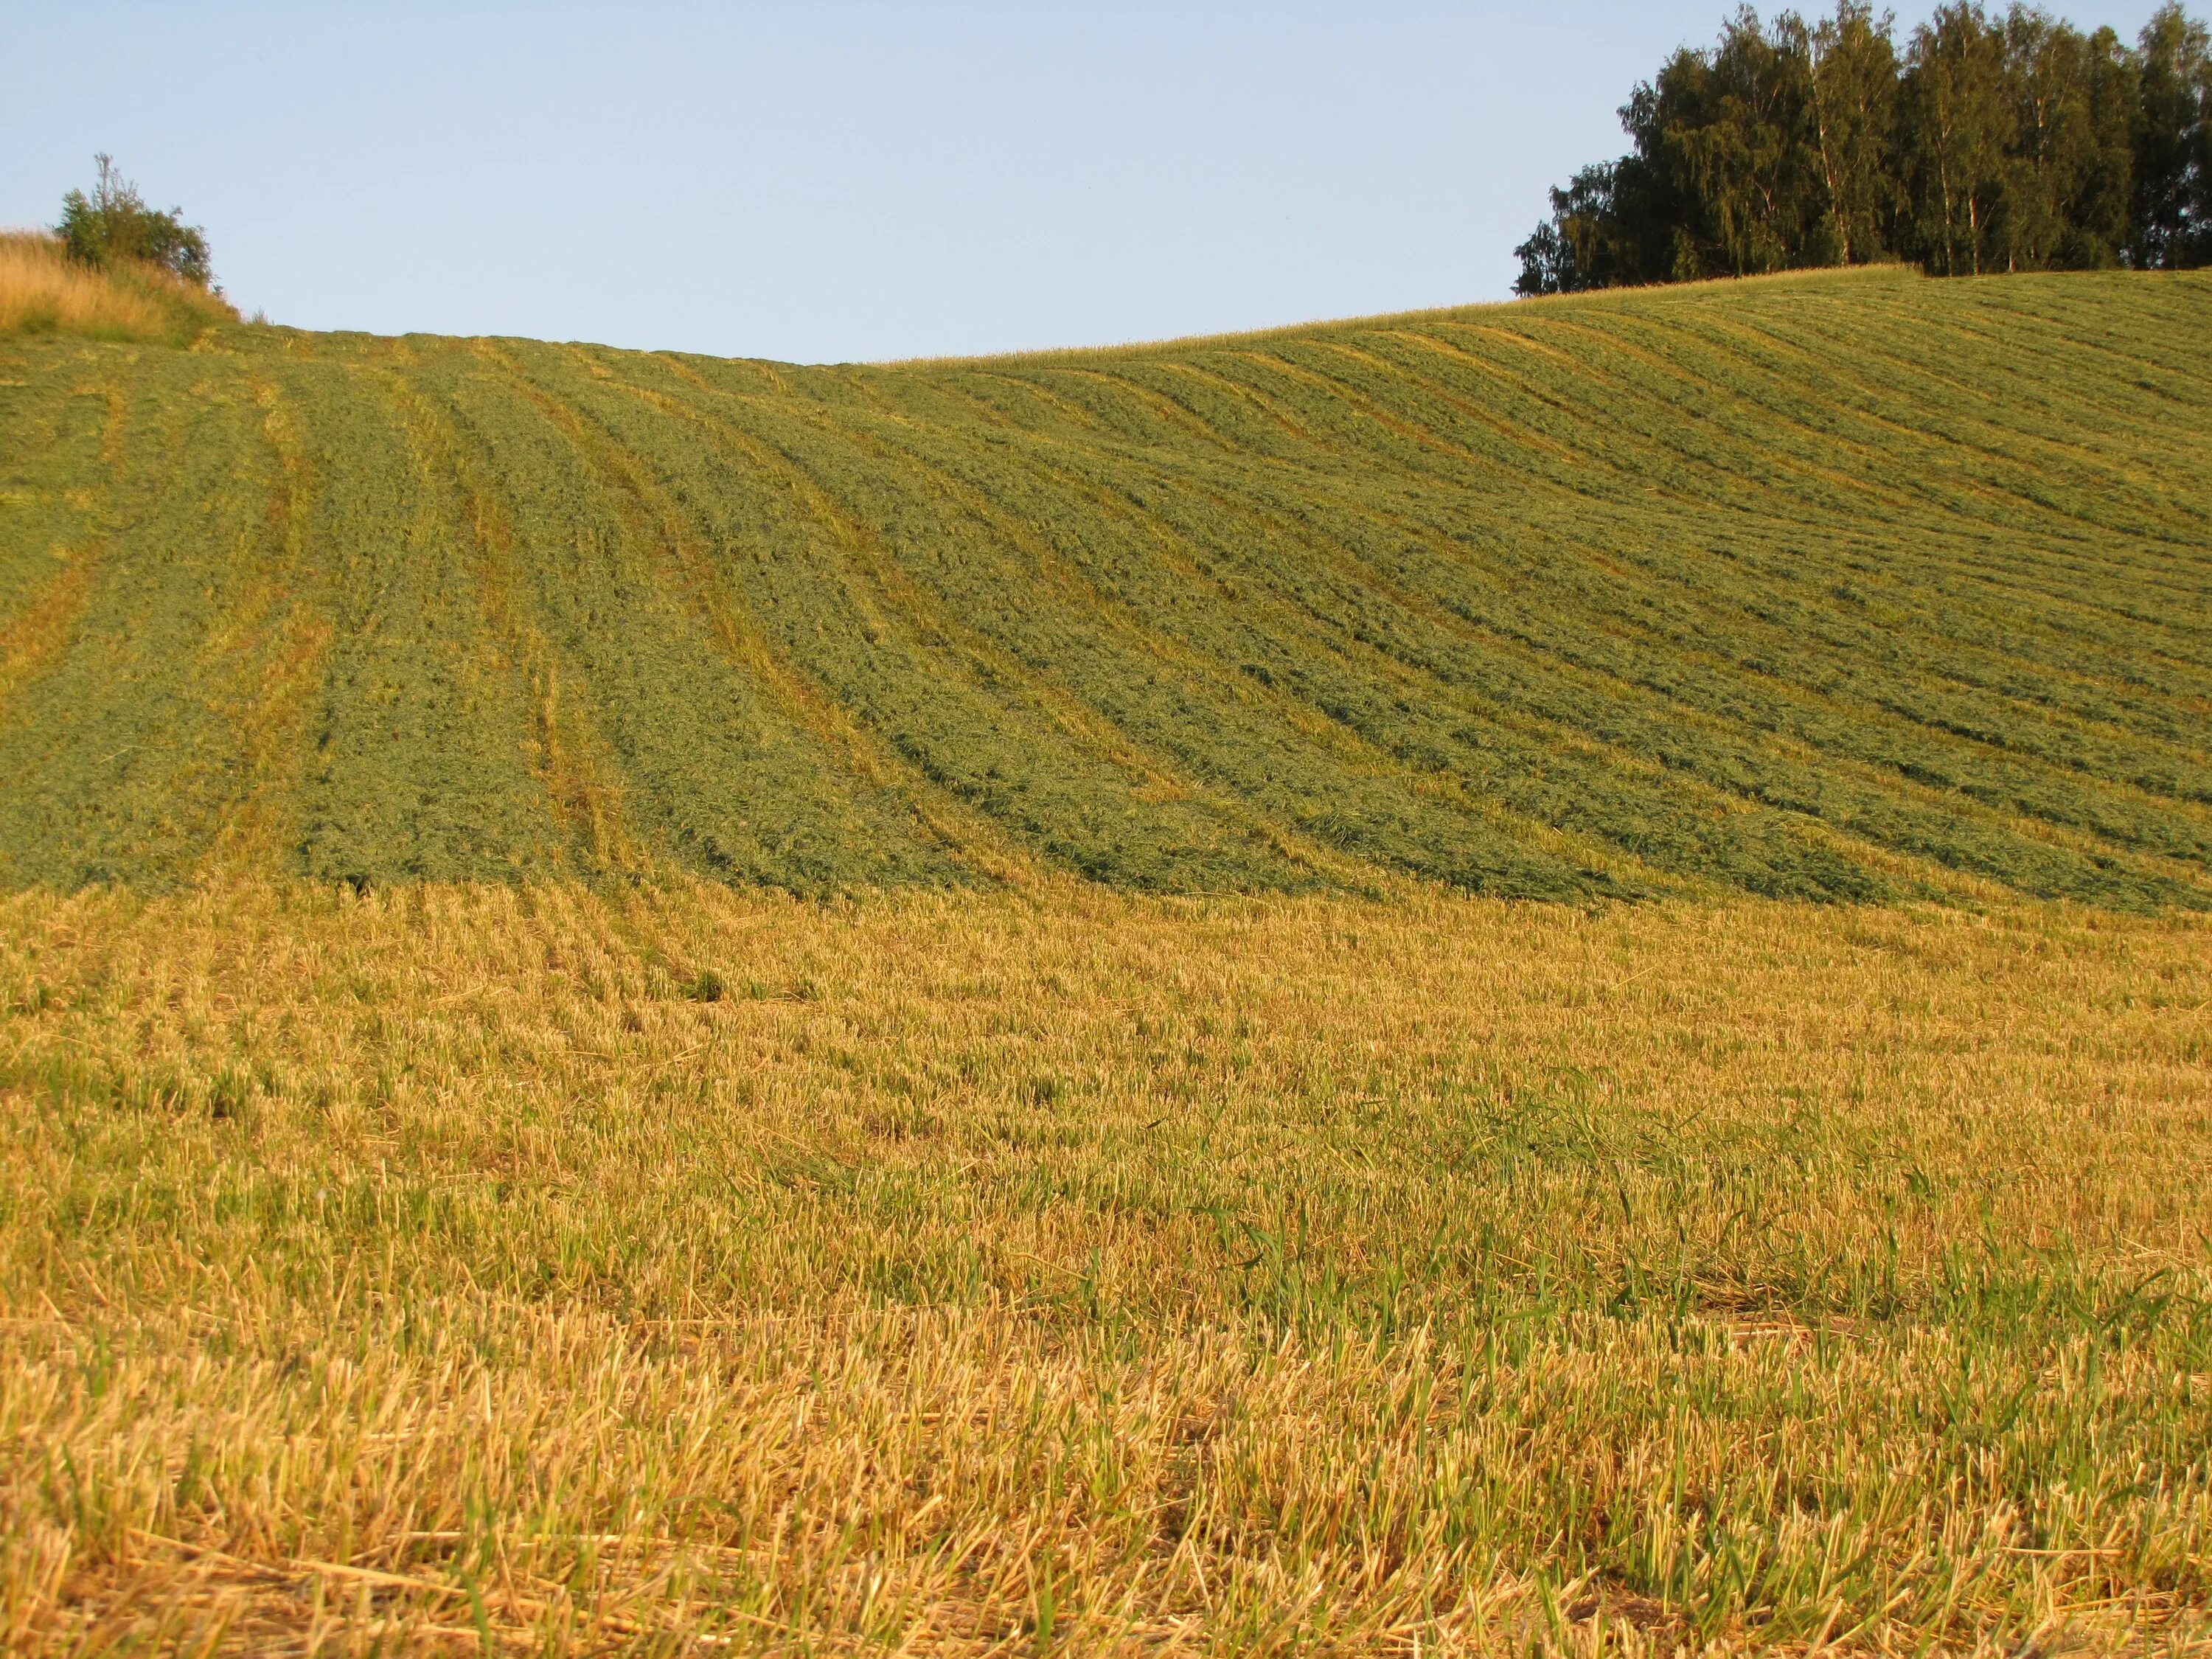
{"x": 114, "y": 223}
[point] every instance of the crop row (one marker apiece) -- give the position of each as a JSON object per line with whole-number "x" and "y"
{"x": 1835, "y": 587}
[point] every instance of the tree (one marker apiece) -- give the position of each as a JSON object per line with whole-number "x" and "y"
{"x": 1548, "y": 258}
{"x": 1954, "y": 126}
{"x": 2105, "y": 195}
{"x": 114, "y": 224}
{"x": 1596, "y": 235}
{"x": 2171, "y": 141}
{"x": 2009, "y": 142}
{"x": 1851, "y": 65}
{"x": 1710, "y": 186}
{"x": 2064, "y": 199}
{"x": 1735, "y": 128}
{"x": 1766, "y": 152}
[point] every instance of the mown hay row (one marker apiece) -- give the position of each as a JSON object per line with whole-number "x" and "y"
{"x": 1843, "y": 587}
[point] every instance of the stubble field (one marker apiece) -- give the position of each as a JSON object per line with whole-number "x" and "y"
{"x": 680, "y": 1270}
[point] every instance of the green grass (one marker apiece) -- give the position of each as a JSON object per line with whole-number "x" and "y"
{"x": 1835, "y": 587}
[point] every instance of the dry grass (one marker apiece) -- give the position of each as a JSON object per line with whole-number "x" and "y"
{"x": 692, "y": 1271}
{"x": 42, "y": 291}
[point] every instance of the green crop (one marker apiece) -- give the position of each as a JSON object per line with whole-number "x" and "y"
{"x": 1838, "y": 587}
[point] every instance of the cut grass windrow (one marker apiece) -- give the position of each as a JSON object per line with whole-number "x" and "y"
{"x": 1843, "y": 586}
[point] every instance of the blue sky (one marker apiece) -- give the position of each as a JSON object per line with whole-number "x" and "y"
{"x": 840, "y": 180}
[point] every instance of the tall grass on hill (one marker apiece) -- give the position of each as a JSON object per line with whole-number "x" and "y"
{"x": 543, "y": 1271}
{"x": 43, "y": 291}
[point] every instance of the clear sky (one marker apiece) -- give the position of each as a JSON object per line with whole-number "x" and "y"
{"x": 845, "y": 179}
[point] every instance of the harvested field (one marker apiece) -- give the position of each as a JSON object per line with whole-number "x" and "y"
{"x": 685, "y": 1270}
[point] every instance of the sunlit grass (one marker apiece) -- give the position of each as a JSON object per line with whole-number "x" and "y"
{"x": 1096, "y": 1274}
{"x": 43, "y": 291}
{"x": 1853, "y": 588}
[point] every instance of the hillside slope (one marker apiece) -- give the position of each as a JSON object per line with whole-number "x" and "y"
{"x": 1840, "y": 587}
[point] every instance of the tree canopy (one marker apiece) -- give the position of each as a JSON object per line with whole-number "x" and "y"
{"x": 114, "y": 224}
{"x": 1989, "y": 144}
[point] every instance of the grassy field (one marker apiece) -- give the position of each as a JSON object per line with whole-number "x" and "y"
{"x": 682, "y": 1270}
{"x": 1843, "y": 586}
{"x": 659, "y": 1005}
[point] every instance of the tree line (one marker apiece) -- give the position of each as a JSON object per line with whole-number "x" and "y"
{"x": 1988, "y": 144}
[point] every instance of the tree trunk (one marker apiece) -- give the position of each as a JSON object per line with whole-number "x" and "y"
{"x": 1828, "y": 168}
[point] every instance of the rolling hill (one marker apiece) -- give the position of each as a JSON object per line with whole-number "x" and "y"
{"x": 505, "y": 1236}
{"x": 1844, "y": 586}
